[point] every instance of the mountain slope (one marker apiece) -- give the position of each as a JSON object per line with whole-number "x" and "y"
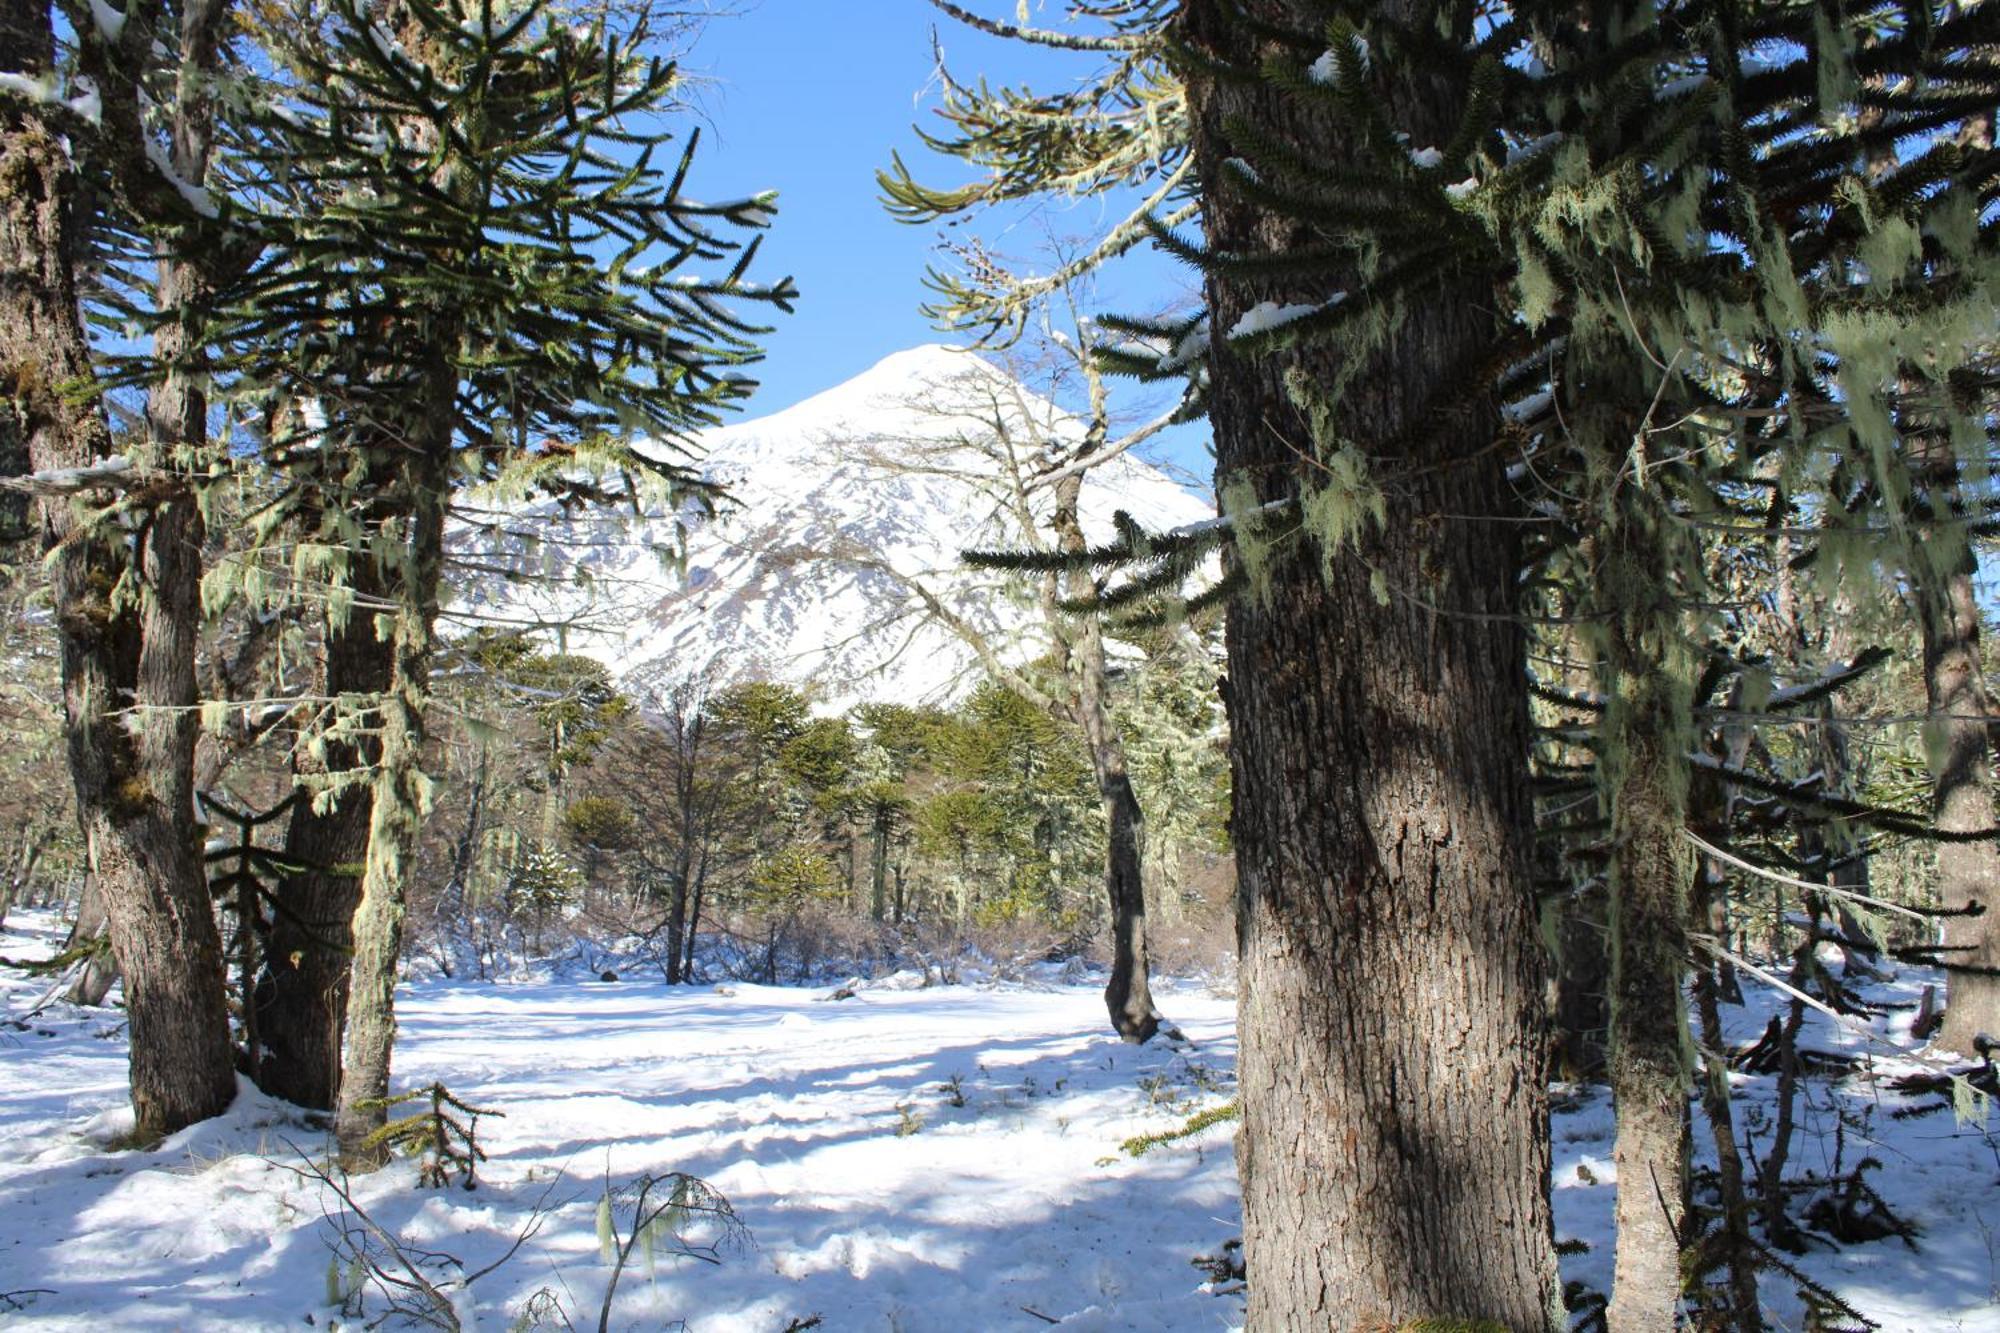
{"x": 842, "y": 508}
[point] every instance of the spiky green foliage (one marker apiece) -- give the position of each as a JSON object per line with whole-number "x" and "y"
{"x": 492, "y": 167}
{"x": 1141, "y": 1144}
{"x": 1119, "y": 133}
{"x": 476, "y": 263}
{"x": 444, "y": 1136}
{"x": 1698, "y": 212}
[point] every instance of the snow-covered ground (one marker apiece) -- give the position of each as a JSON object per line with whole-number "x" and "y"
{"x": 907, "y": 1159}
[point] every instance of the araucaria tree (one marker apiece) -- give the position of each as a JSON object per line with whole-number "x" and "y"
{"x": 1676, "y": 260}
{"x": 403, "y": 249}
{"x": 99, "y": 177}
{"x": 1394, "y": 1152}
{"x": 474, "y": 273}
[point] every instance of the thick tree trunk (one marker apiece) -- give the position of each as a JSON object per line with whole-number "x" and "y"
{"x": 127, "y": 614}
{"x": 413, "y": 453}
{"x": 1394, "y": 1149}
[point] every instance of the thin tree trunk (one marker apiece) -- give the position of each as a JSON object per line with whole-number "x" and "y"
{"x": 1968, "y": 870}
{"x": 677, "y": 906}
{"x": 1582, "y": 990}
{"x": 1777, "y": 1221}
{"x": 127, "y": 612}
{"x": 302, "y": 998}
{"x": 878, "y": 879}
{"x": 694, "y": 920}
{"x": 397, "y": 809}
{"x": 1645, "y": 737}
{"x": 1394, "y": 1150}
{"x": 452, "y": 901}
{"x": 1710, "y": 800}
{"x": 1745, "y": 1314}
{"x": 34, "y": 842}
{"x": 100, "y": 970}
{"x": 1128, "y": 994}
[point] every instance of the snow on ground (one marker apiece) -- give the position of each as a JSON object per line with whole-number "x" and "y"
{"x": 908, "y": 1159}
{"x": 870, "y": 1197}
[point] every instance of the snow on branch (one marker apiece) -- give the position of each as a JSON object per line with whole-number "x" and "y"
{"x": 116, "y": 473}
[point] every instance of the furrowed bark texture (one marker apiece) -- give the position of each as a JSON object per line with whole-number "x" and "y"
{"x": 1394, "y": 1149}
{"x": 122, "y": 646}
{"x": 1958, "y": 734}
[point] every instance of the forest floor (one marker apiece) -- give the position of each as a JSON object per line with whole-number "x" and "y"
{"x": 942, "y": 1158}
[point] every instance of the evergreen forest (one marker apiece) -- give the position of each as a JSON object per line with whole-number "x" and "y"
{"x": 1388, "y": 731}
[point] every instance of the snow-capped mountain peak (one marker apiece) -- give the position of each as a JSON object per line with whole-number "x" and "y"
{"x": 839, "y": 541}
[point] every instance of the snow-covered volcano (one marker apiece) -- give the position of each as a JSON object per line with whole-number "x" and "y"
{"x": 844, "y": 511}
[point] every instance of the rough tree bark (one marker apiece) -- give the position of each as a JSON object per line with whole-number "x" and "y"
{"x": 127, "y": 612}
{"x": 1394, "y": 1148}
{"x": 1648, "y": 677}
{"x": 409, "y": 452}
{"x": 302, "y": 995}
{"x": 1941, "y": 575}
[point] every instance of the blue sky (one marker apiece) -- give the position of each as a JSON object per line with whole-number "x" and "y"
{"x": 810, "y": 97}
